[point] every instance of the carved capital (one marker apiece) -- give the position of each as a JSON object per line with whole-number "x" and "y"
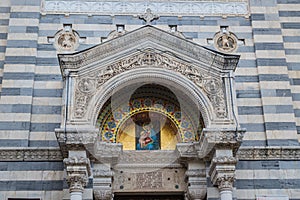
{"x": 196, "y": 192}
{"x": 225, "y": 182}
{"x": 78, "y": 170}
{"x": 102, "y": 194}
{"x": 77, "y": 182}
{"x": 222, "y": 172}
{"x": 78, "y": 162}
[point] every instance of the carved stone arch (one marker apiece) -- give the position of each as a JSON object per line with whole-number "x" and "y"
{"x": 152, "y": 75}
{"x": 150, "y": 55}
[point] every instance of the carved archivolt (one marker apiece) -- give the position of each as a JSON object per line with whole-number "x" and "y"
{"x": 213, "y": 87}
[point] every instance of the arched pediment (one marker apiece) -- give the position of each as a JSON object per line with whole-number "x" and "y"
{"x": 148, "y": 37}
{"x": 94, "y": 72}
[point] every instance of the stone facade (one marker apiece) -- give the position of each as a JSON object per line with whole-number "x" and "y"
{"x": 236, "y": 61}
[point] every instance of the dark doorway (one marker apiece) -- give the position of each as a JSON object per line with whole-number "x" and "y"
{"x": 149, "y": 196}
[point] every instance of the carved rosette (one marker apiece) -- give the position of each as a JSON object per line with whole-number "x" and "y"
{"x": 213, "y": 87}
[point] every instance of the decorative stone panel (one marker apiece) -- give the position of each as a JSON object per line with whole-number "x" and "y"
{"x": 161, "y": 7}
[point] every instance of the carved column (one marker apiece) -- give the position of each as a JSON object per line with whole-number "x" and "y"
{"x": 222, "y": 173}
{"x": 78, "y": 170}
{"x": 196, "y": 184}
{"x": 102, "y": 182}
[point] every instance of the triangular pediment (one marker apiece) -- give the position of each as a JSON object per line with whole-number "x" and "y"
{"x": 144, "y": 38}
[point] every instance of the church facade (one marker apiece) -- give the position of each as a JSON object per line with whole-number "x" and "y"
{"x": 183, "y": 100}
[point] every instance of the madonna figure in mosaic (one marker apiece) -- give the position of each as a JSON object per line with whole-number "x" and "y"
{"x": 148, "y": 138}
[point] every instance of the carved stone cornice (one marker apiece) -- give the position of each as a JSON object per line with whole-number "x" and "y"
{"x": 76, "y": 136}
{"x": 76, "y": 139}
{"x": 269, "y": 153}
{"x": 30, "y": 154}
{"x": 219, "y": 138}
{"x": 186, "y": 151}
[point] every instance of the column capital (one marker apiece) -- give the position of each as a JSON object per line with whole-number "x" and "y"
{"x": 78, "y": 170}
{"x": 225, "y": 182}
{"x": 222, "y": 172}
{"x": 77, "y": 182}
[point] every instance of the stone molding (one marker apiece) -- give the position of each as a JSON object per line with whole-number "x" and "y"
{"x": 244, "y": 153}
{"x": 269, "y": 153}
{"x": 30, "y": 154}
{"x": 136, "y": 7}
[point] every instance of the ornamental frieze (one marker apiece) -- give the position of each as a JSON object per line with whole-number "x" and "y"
{"x": 87, "y": 86}
{"x": 161, "y": 7}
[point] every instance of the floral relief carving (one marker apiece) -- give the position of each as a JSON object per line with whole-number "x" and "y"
{"x": 213, "y": 87}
